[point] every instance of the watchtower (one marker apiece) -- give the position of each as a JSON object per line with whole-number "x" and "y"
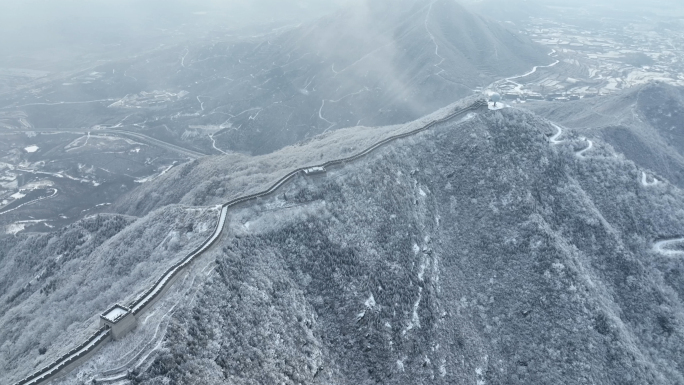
{"x": 315, "y": 171}
{"x": 120, "y": 319}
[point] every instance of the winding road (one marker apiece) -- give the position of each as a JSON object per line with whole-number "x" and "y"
{"x": 662, "y": 247}
{"x": 554, "y": 140}
{"x": 150, "y": 140}
{"x": 533, "y": 70}
{"x": 518, "y": 86}
{"x": 589, "y": 147}
{"x": 54, "y": 193}
{"x": 123, "y": 133}
{"x": 646, "y": 183}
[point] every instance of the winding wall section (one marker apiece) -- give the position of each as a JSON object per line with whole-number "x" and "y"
{"x": 88, "y": 348}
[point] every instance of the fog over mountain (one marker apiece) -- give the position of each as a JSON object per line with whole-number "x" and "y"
{"x": 497, "y": 197}
{"x": 366, "y": 64}
{"x": 47, "y": 33}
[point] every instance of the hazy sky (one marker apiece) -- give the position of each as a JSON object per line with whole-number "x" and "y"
{"x": 33, "y": 26}
{"x": 71, "y": 20}
{"x": 54, "y": 29}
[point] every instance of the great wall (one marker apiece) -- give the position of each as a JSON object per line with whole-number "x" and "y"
{"x": 119, "y": 319}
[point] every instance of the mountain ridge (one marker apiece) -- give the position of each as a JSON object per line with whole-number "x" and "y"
{"x": 428, "y": 237}
{"x": 467, "y": 254}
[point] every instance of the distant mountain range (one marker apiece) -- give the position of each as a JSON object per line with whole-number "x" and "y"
{"x": 371, "y": 65}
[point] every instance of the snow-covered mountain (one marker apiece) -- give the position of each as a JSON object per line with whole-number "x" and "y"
{"x": 53, "y": 286}
{"x": 475, "y": 253}
{"x": 487, "y": 249}
{"x": 542, "y": 245}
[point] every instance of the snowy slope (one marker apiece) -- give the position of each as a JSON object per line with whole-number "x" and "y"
{"x": 477, "y": 252}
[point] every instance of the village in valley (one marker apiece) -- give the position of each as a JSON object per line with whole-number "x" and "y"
{"x": 609, "y": 57}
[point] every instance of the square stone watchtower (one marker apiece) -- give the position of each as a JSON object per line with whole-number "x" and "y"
{"x": 119, "y": 319}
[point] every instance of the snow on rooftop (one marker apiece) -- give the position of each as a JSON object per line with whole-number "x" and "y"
{"x": 499, "y": 106}
{"x": 114, "y": 314}
{"x": 314, "y": 170}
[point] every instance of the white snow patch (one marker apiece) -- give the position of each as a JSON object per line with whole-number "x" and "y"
{"x": 421, "y": 270}
{"x": 499, "y": 106}
{"x": 370, "y": 302}
{"x": 468, "y": 117}
{"x": 155, "y": 176}
{"x": 14, "y": 228}
{"x": 115, "y": 313}
{"x": 31, "y": 149}
{"x": 478, "y": 372}
{"x": 17, "y": 195}
{"x": 203, "y": 227}
{"x": 415, "y": 320}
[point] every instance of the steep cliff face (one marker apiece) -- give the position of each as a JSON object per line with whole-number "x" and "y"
{"x": 474, "y": 253}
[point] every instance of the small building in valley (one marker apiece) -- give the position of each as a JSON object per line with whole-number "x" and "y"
{"x": 120, "y": 319}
